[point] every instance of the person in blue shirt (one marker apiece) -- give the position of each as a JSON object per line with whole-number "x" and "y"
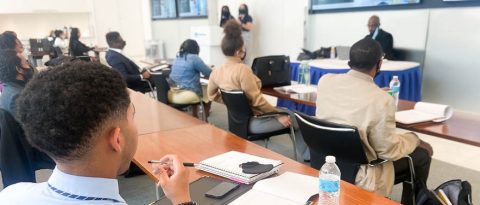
{"x": 185, "y": 74}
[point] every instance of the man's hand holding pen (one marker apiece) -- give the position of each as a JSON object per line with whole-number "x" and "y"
{"x": 173, "y": 177}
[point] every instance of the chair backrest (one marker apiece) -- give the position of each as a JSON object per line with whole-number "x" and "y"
{"x": 326, "y": 138}
{"x": 57, "y": 51}
{"x": 162, "y": 86}
{"x": 272, "y": 70}
{"x": 239, "y": 111}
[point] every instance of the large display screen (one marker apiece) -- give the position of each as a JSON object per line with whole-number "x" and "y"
{"x": 164, "y": 9}
{"x": 192, "y": 8}
{"x": 343, "y": 4}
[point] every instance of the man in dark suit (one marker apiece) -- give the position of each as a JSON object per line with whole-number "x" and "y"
{"x": 384, "y": 38}
{"x": 136, "y": 79}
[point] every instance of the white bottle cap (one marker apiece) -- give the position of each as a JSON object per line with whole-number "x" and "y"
{"x": 330, "y": 159}
{"x": 395, "y": 77}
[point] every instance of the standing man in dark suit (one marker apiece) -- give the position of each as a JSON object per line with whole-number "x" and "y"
{"x": 384, "y": 38}
{"x": 136, "y": 79}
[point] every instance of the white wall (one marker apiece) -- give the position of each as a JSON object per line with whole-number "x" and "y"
{"x": 279, "y": 25}
{"x": 38, "y": 25}
{"x": 408, "y": 28}
{"x": 43, "y": 6}
{"x": 274, "y": 32}
{"x": 174, "y": 32}
{"x": 452, "y": 58}
{"x": 124, "y": 16}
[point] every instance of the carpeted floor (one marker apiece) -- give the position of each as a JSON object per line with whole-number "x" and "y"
{"x": 141, "y": 190}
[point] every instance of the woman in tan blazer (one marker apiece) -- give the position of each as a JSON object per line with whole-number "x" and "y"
{"x": 233, "y": 74}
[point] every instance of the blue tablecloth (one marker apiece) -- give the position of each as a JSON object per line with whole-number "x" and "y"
{"x": 410, "y": 84}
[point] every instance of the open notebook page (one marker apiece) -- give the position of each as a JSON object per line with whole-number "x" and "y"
{"x": 288, "y": 188}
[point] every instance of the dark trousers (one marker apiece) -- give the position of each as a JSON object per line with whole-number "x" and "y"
{"x": 421, "y": 163}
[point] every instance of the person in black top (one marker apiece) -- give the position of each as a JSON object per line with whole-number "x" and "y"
{"x": 245, "y": 19}
{"x": 226, "y": 15}
{"x": 77, "y": 48}
{"x": 384, "y": 38}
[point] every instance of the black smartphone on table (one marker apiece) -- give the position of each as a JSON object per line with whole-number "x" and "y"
{"x": 221, "y": 190}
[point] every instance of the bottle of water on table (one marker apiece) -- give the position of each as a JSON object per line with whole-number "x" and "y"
{"x": 329, "y": 193}
{"x": 303, "y": 76}
{"x": 395, "y": 88}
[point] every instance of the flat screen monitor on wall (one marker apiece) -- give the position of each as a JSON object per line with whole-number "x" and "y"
{"x": 164, "y": 9}
{"x": 192, "y": 8}
{"x": 343, "y": 4}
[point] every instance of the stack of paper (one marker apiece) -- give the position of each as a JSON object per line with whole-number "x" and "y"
{"x": 423, "y": 112}
{"x": 228, "y": 165}
{"x": 298, "y": 88}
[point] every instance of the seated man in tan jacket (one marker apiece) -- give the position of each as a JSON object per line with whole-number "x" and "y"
{"x": 354, "y": 99}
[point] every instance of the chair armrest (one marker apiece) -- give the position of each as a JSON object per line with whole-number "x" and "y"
{"x": 271, "y": 114}
{"x": 377, "y": 162}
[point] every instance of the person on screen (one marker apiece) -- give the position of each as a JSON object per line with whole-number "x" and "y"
{"x": 225, "y": 16}
{"x": 84, "y": 120}
{"x": 354, "y": 99}
{"x": 384, "y": 38}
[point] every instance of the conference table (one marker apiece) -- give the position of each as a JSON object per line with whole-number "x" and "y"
{"x": 462, "y": 127}
{"x": 409, "y": 74}
{"x": 193, "y": 140}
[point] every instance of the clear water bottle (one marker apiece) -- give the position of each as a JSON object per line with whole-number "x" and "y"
{"x": 329, "y": 193}
{"x": 303, "y": 76}
{"x": 395, "y": 88}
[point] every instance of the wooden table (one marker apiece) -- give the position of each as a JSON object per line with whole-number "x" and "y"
{"x": 196, "y": 143}
{"x": 462, "y": 127}
{"x": 152, "y": 116}
{"x": 164, "y": 130}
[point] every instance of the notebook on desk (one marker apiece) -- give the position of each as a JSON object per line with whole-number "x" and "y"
{"x": 228, "y": 165}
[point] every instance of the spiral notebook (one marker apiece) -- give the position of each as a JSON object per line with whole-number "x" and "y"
{"x": 228, "y": 165}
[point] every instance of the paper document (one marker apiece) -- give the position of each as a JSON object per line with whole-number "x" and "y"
{"x": 423, "y": 112}
{"x": 298, "y": 88}
{"x": 287, "y": 189}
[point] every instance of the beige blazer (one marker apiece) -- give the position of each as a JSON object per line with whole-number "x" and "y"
{"x": 234, "y": 75}
{"x": 354, "y": 99}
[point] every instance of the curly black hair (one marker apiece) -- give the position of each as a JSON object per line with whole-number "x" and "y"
{"x": 8, "y": 65}
{"x": 64, "y": 108}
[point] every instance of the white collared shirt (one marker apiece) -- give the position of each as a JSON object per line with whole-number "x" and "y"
{"x": 74, "y": 186}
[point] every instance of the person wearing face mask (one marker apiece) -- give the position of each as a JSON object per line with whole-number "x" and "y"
{"x": 134, "y": 76}
{"x": 225, "y": 16}
{"x": 234, "y": 75}
{"x": 384, "y": 38}
{"x": 15, "y": 72}
{"x": 246, "y": 23}
{"x": 19, "y": 159}
{"x": 354, "y": 99}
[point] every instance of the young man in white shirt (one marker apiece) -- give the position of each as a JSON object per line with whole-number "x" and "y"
{"x": 80, "y": 115}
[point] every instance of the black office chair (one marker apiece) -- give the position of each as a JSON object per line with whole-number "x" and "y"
{"x": 18, "y": 159}
{"x": 342, "y": 141}
{"x": 239, "y": 115}
{"x": 162, "y": 88}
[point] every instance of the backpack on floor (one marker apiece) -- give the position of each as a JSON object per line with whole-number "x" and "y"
{"x": 456, "y": 191}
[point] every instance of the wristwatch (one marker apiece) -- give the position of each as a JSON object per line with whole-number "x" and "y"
{"x": 188, "y": 203}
